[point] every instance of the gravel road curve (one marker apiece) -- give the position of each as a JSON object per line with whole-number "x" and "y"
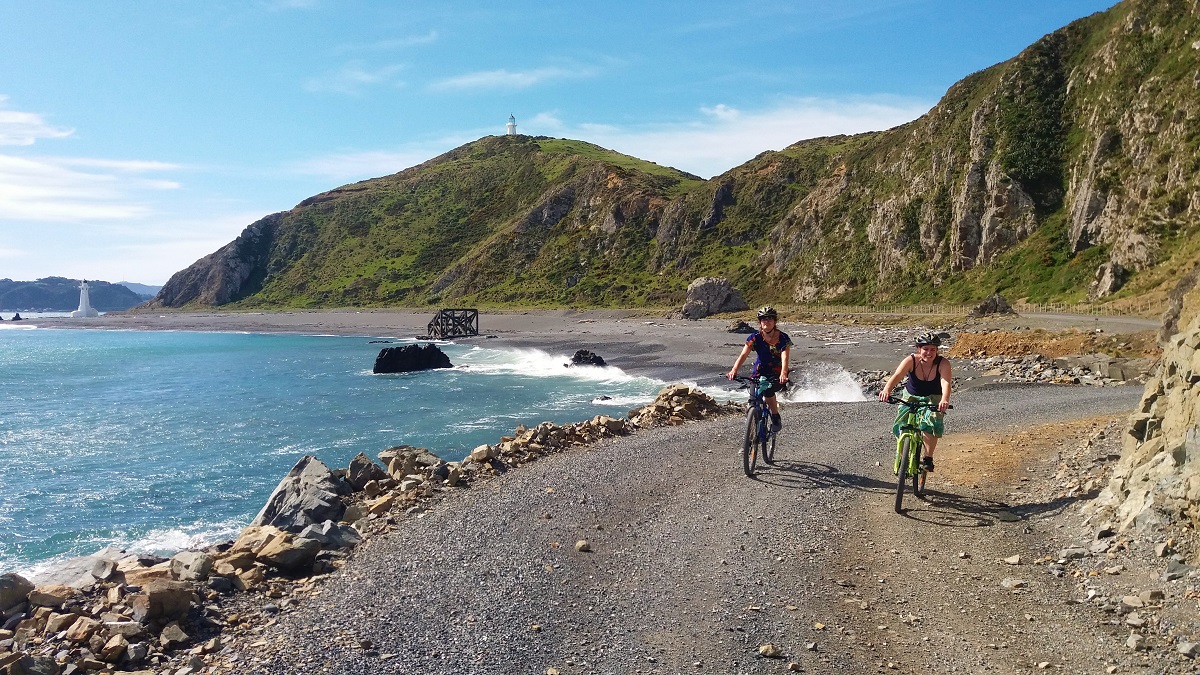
{"x": 692, "y": 565}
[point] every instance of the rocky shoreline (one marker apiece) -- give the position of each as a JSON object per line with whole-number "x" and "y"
{"x": 115, "y": 611}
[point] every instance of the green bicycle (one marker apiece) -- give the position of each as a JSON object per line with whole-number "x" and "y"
{"x": 910, "y": 450}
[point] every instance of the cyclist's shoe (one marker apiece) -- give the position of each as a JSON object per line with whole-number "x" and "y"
{"x": 928, "y": 462}
{"x": 776, "y": 424}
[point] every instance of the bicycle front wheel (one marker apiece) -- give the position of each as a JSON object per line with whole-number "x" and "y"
{"x": 750, "y": 444}
{"x": 905, "y": 451}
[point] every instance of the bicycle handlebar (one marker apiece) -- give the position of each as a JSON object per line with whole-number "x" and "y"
{"x": 893, "y": 400}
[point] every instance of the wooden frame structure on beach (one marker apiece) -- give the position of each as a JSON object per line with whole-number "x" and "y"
{"x": 451, "y": 323}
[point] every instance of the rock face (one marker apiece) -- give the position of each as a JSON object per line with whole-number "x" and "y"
{"x": 411, "y": 358}
{"x": 309, "y": 494}
{"x": 711, "y": 295}
{"x": 1157, "y": 480}
{"x": 223, "y": 276}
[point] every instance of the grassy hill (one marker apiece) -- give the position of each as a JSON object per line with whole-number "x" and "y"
{"x": 1066, "y": 173}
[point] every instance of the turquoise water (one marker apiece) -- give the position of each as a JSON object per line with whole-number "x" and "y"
{"x": 157, "y": 441}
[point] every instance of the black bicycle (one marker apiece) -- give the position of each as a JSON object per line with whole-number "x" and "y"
{"x": 910, "y": 449}
{"x": 759, "y": 440}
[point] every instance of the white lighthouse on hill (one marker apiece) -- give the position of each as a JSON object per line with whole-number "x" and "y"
{"x": 512, "y": 125}
{"x": 85, "y": 303}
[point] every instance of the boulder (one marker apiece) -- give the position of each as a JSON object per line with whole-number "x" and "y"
{"x": 162, "y": 599}
{"x": 362, "y": 471}
{"x": 332, "y": 535}
{"x": 739, "y": 326}
{"x": 584, "y": 357}
{"x": 310, "y": 493}
{"x": 712, "y": 295}
{"x": 411, "y": 358}
{"x": 53, "y": 595}
{"x": 288, "y": 552}
{"x": 14, "y": 589}
{"x": 191, "y": 566}
{"x": 993, "y": 304}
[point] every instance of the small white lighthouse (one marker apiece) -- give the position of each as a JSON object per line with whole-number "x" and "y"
{"x": 85, "y": 303}
{"x": 512, "y": 125}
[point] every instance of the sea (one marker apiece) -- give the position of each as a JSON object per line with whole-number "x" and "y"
{"x": 159, "y": 441}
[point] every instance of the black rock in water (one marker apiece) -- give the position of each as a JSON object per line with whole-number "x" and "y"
{"x": 411, "y": 358}
{"x": 584, "y": 357}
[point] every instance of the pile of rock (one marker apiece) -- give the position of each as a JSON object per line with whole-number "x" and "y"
{"x": 128, "y": 616}
{"x": 1096, "y": 370}
{"x": 675, "y": 404}
{"x": 679, "y": 403}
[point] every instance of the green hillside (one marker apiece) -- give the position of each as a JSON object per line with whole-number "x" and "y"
{"x": 1067, "y": 173}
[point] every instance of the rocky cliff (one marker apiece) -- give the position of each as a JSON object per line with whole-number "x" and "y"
{"x": 1157, "y": 481}
{"x": 1068, "y": 172}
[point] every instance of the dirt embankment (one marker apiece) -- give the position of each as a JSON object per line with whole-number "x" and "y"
{"x": 1054, "y": 344}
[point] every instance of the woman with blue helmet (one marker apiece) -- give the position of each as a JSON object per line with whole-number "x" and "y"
{"x": 773, "y": 349}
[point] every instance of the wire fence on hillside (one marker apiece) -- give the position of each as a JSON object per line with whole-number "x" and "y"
{"x": 1142, "y": 309}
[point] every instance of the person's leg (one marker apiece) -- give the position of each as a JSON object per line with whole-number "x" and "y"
{"x": 773, "y": 406}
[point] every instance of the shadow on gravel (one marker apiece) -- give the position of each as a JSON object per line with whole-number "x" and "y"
{"x": 809, "y": 475}
{"x": 947, "y": 509}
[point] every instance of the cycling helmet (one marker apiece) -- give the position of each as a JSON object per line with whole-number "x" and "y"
{"x": 767, "y": 312}
{"x": 928, "y": 339}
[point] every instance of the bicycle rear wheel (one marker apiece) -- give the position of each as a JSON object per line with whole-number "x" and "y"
{"x": 918, "y": 477}
{"x": 902, "y": 475}
{"x": 750, "y": 444}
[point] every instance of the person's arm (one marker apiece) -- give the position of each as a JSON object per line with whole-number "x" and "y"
{"x": 738, "y": 363}
{"x": 784, "y": 358}
{"x": 901, "y": 371}
{"x": 947, "y": 380}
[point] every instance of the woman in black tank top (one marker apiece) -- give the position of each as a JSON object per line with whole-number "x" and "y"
{"x": 928, "y": 375}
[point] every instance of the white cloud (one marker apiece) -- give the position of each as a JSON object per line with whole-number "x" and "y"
{"x": 45, "y": 189}
{"x": 724, "y": 136}
{"x": 506, "y": 79}
{"x": 353, "y": 78}
{"x": 24, "y": 128}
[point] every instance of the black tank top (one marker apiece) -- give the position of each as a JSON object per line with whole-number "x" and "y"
{"x": 918, "y": 387}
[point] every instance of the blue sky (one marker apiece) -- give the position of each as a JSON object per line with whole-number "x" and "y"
{"x": 137, "y": 137}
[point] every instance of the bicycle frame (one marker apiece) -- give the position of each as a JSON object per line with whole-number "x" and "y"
{"x": 910, "y": 449}
{"x": 760, "y": 437}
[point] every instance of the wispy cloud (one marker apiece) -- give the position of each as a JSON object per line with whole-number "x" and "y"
{"x": 354, "y": 78}
{"x": 390, "y": 45}
{"x": 508, "y": 79}
{"x": 43, "y": 189}
{"x": 24, "y": 128}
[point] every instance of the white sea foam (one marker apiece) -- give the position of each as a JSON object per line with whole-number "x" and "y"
{"x": 168, "y": 541}
{"x": 538, "y": 363}
{"x": 820, "y": 381}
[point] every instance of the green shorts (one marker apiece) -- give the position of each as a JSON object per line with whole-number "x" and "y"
{"x": 928, "y": 421}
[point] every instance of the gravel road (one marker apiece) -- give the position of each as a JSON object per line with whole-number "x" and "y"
{"x": 692, "y": 565}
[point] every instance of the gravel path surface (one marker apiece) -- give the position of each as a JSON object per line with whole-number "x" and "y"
{"x": 692, "y": 566}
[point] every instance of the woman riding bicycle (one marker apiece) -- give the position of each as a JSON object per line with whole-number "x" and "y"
{"x": 773, "y": 350}
{"x": 929, "y": 377}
